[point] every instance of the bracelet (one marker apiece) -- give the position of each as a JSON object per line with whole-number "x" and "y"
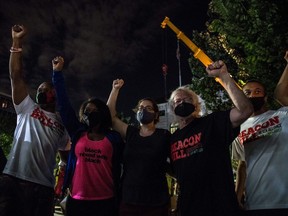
{"x": 15, "y": 50}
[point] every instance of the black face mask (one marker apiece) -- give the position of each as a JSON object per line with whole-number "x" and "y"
{"x": 45, "y": 98}
{"x": 257, "y": 102}
{"x": 145, "y": 117}
{"x": 92, "y": 119}
{"x": 184, "y": 109}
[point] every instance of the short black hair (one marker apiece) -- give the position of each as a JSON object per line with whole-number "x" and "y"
{"x": 49, "y": 83}
{"x": 106, "y": 120}
{"x": 256, "y": 81}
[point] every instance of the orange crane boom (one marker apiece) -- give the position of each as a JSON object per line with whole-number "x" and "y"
{"x": 198, "y": 53}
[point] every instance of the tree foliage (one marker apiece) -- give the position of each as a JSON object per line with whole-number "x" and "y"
{"x": 251, "y": 36}
{"x": 211, "y": 91}
{"x": 7, "y": 126}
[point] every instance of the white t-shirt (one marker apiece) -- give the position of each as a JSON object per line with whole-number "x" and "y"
{"x": 265, "y": 141}
{"x": 37, "y": 138}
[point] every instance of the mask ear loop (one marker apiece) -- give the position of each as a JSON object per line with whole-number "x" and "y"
{"x": 43, "y": 96}
{"x": 156, "y": 117}
{"x": 85, "y": 119}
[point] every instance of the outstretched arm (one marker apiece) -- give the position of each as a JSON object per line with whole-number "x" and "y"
{"x": 243, "y": 108}
{"x": 281, "y": 90}
{"x": 18, "y": 85}
{"x": 118, "y": 125}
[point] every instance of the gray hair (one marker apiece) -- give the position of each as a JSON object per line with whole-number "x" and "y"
{"x": 191, "y": 94}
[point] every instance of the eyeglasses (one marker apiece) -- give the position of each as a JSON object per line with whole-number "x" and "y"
{"x": 181, "y": 100}
{"x": 148, "y": 108}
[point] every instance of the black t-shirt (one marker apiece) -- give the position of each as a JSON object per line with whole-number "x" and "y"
{"x": 201, "y": 160}
{"x": 144, "y": 163}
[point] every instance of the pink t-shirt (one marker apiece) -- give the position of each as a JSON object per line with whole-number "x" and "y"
{"x": 92, "y": 179}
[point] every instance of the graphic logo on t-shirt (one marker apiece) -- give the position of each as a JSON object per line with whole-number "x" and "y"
{"x": 93, "y": 155}
{"x": 187, "y": 147}
{"x": 48, "y": 122}
{"x": 267, "y": 128}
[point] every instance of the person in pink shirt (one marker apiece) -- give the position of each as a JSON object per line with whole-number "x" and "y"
{"x": 93, "y": 168}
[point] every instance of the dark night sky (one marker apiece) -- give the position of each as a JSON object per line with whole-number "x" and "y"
{"x": 102, "y": 41}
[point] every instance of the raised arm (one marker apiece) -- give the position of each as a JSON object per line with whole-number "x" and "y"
{"x": 281, "y": 90}
{"x": 118, "y": 125}
{"x": 64, "y": 106}
{"x": 18, "y": 85}
{"x": 243, "y": 108}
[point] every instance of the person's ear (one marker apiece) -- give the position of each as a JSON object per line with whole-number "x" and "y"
{"x": 157, "y": 116}
{"x": 266, "y": 98}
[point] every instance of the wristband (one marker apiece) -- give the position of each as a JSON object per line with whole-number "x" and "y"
{"x": 15, "y": 50}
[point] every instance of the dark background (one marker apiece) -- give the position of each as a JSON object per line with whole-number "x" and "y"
{"x": 102, "y": 41}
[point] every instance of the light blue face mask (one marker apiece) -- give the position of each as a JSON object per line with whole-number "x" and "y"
{"x": 145, "y": 117}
